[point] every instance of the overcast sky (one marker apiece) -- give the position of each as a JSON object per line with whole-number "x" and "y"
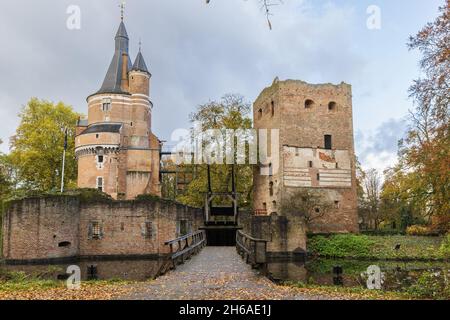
{"x": 198, "y": 52}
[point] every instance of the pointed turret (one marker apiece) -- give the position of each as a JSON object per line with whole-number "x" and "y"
{"x": 116, "y": 79}
{"x": 139, "y": 64}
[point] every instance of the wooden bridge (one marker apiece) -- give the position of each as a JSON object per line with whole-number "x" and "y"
{"x": 252, "y": 250}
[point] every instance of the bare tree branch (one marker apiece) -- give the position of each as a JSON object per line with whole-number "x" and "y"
{"x": 265, "y": 5}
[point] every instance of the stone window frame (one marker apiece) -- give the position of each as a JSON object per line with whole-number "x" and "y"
{"x": 99, "y": 178}
{"x": 100, "y": 164}
{"x": 106, "y": 104}
{"x": 95, "y": 230}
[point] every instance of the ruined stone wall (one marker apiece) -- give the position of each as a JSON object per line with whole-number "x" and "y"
{"x": 304, "y": 114}
{"x": 66, "y": 227}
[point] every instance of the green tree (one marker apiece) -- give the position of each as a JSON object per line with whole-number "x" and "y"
{"x": 231, "y": 112}
{"x": 37, "y": 147}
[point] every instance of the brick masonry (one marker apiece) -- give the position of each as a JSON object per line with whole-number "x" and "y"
{"x": 304, "y": 114}
{"x": 61, "y": 227}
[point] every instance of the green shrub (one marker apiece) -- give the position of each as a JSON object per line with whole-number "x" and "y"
{"x": 341, "y": 246}
{"x": 147, "y": 197}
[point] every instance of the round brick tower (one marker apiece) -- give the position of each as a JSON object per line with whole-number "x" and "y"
{"x": 116, "y": 150}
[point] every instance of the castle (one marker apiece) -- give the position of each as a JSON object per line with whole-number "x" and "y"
{"x": 116, "y": 150}
{"x": 118, "y": 154}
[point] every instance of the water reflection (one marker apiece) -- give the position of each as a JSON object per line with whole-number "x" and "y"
{"x": 353, "y": 273}
{"x": 133, "y": 270}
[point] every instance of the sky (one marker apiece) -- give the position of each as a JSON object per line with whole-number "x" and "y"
{"x": 198, "y": 52}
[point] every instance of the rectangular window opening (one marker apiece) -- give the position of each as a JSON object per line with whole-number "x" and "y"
{"x": 328, "y": 142}
{"x": 100, "y": 183}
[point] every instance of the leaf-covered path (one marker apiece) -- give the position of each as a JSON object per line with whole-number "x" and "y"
{"x": 215, "y": 273}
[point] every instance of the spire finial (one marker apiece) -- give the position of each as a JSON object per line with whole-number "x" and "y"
{"x": 122, "y": 10}
{"x": 140, "y": 44}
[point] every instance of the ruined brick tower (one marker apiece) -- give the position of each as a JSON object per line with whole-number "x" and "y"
{"x": 115, "y": 147}
{"x": 316, "y": 150}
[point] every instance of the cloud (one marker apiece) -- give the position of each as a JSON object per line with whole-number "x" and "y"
{"x": 378, "y": 148}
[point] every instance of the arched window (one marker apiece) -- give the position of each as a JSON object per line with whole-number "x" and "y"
{"x": 272, "y": 108}
{"x": 260, "y": 113}
{"x": 332, "y": 106}
{"x": 271, "y": 188}
{"x": 309, "y": 104}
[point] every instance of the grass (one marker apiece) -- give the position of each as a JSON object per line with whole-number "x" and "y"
{"x": 347, "y": 293}
{"x": 379, "y": 247}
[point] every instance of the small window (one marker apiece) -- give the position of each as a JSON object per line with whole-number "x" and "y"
{"x": 97, "y": 136}
{"x": 122, "y": 226}
{"x": 64, "y": 244}
{"x": 310, "y": 164}
{"x": 271, "y": 188}
{"x": 270, "y": 170}
{"x": 332, "y": 106}
{"x": 318, "y": 177}
{"x": 337, "y": 204}
{"x": 264, "y": 206}
{"x": 100, "y": 160}
{"x": 148, "y": 229}
{"x": 274, "y": 204}
{"x": 337, "y": 165}
{"x": 272, "y": 108}
{"x": 260, "y": 113}
{"x": 317, "y": 210}
{"x": 106, "y": 104}
{"x": 100, "y": 183}
{"x": 309, "y": 104}
{"x": 96, "y": 230}
{"x": 328, "y": 142}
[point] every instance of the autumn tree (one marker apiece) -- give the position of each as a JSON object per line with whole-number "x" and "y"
{"x": 231, "y": 112}
{"x": 425, "y": 153}
{"x": 37, "y": 147}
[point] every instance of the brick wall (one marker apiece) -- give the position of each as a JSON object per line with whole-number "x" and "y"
{"x": 62, "y": 227}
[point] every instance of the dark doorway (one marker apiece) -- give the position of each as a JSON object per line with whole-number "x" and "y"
{"x": 221, "y": 237}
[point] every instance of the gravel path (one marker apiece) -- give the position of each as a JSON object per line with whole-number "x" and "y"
{"x": 217, "y": 273}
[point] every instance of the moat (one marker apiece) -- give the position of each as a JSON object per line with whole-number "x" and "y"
{"x": 397, "y": 275}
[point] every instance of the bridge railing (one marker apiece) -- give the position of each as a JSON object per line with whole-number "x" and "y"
{"x": 182, "y": 249}
{"x": 253, "y": 250}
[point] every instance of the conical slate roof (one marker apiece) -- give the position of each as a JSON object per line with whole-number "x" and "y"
{"x": 139, "y": 63}
{"x": 113, "y": 78}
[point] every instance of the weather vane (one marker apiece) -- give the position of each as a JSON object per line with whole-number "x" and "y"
{"x": 122, "y": 9}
